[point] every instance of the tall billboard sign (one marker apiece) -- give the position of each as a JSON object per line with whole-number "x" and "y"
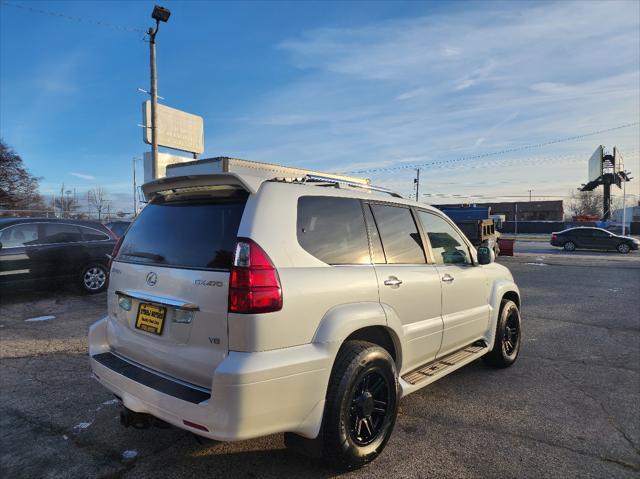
{"x": 177, "y": 129}
{"x": 595, "y": 164}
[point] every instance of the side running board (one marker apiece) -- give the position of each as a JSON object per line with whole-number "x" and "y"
{"x": 439, "y": 366}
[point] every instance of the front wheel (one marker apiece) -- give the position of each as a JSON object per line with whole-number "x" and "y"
{"x": 94, "y": 278}
{"x": 569, "y": 246}
{"x": 623, "y": 248}
{"x": 361, "y": 406}
{"x": 508, "y": 337}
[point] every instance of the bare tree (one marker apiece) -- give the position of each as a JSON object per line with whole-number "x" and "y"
{"x": 97, "y": 198}
{"x": 18, "y": 187}
{"x": 585, "y": 203}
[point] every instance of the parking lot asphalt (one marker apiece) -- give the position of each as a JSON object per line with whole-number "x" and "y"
{"x": 567, "y": 408}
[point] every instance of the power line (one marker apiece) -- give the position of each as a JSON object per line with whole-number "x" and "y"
{"x": 494, "y": 153}
{"x": 75, "y": 19}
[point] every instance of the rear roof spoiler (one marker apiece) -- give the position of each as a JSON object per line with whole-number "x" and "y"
{"x": 246, "y": 182}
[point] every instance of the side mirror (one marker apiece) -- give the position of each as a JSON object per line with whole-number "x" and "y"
{"x": 486, "y": 255}
{"x": 0, "y": 245}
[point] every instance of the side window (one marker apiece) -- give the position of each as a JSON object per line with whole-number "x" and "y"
{"x": 60, "y": 233}
{"x": 90, "y": 234}
{"x": 374, "y": 236}
{"x": 333, "y": 229}
{"x": 400, "y": 238}
{"x": 447, "y": 245}
{"x": 19, "y": 235}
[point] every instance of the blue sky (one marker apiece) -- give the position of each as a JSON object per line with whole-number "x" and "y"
{"x": 339, "y": 86}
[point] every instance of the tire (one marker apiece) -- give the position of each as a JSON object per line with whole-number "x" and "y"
{"x": 94, "y": 278}
{"x": 623, "y": 248}
{"x": 361, "y": 406}
{"x": 569, "y": 246}
{"x": 508, "y": 337}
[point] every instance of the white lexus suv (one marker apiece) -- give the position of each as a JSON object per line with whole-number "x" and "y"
{"x": 245, "y": 302}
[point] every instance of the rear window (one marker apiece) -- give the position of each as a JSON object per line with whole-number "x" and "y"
{"x": 333, "y": 229}
{"x": 92, "y": 234}
{"x": 189, "y": 232}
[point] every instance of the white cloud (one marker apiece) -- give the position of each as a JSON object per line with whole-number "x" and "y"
{"x": 408, "y": 95}
{"x": 464, "y": 84}
{"x": 451, "y": 51}
{"x": 83, "y": 176}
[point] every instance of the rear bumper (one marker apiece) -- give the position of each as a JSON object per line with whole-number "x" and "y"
{"x": 252, "y": 394}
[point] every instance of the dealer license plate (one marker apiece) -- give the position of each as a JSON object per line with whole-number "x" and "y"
{"x": 151, "y": 318}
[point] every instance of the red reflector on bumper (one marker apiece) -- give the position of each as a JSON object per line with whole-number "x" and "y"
{"x": 194, "y": 425}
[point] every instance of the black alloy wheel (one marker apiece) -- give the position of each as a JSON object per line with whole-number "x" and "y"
{"x": 511, "y": 335}
{"x": 361, "y": 405}
{"x": 369, "y": 408}
{"x": 508, "y": 340}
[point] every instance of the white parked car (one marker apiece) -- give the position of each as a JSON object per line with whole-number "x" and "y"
{"x": 241, "y": 305}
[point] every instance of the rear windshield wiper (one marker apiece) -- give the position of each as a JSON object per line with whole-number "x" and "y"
{"x": 144, "y": 254}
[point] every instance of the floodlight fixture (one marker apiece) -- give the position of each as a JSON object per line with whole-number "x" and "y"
{"x": 160, "y": 14}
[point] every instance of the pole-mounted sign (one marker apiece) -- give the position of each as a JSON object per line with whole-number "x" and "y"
{"x": 174, "y": 128}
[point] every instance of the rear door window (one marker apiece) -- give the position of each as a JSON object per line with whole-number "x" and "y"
{"x": 60, "y": 233}
{"x": 185, "y": 231}
{"x": 333, "y": 229}
{"x": 19, "y": 235}
{"x": 399, "y": 235}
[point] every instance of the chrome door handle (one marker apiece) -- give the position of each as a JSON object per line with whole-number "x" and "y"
{"x": 392, "y": 281}
{"x": 447, "y": 278}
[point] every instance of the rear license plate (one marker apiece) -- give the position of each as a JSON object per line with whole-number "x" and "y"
{"x": 151, "y": 318}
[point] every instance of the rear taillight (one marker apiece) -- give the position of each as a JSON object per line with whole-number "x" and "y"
{"x": 554, "y": 236}
{"x": 254, "y": 286}
{"x": 116, "y": 248}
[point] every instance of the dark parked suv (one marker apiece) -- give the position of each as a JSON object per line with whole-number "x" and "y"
{"x": 35, "y": 249}
{"x": 593, "y": 238}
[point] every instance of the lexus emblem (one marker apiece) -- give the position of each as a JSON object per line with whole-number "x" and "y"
{"x": 152, "y": 279}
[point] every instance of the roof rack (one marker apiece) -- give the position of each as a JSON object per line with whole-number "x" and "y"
{"x": 336, "y": 182}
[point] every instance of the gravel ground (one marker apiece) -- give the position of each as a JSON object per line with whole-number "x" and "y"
{"x": 568, "y": 408}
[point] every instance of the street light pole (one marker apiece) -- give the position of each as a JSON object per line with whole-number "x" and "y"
{"x": 160, "y": 14}
{"x": 154, "y": 101}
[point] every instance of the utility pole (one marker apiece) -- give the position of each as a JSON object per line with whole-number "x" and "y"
{"x": 135, "y": 189}
{"x": 624, "y": 207}
{"x": 160, "y": 14}
{"x": 417, "y": 183}
{"x": 529, "y": 195}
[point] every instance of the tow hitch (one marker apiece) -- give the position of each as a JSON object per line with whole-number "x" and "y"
{"x": 137, "y": 420}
